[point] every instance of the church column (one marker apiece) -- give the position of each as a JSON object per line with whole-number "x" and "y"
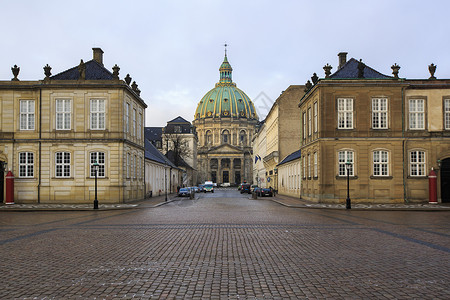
{"x": 232, "y": 178}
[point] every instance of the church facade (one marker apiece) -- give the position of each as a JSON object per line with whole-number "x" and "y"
{"x": 225, "y": 121}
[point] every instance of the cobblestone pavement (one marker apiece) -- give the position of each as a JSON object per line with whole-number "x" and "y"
{"x": 224, "y": 246}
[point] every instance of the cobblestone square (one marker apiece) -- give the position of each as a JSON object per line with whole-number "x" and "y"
{"x": 225, "y": 246}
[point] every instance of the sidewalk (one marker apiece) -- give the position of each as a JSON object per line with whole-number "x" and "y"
{"x": 287, "y": 201}
{"x": 301, "y": 203}
{"x": 143, "y": 203}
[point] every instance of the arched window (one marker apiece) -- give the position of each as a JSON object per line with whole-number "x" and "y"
{"x": 225, "y": 136}
{"x": 208, "y": 138}
{"x": 243, "y": 138}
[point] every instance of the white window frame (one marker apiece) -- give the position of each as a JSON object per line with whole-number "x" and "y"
{"x": 139, "y": 130}
{"x": 345, "y": 113}
{"x": 62, "y": 164}
{"x": 135, "y": 167}
{"x": 309, "y": 121}
{"x": 128, "y": 165}
{"x": 304, "y": 125}
{"x": 127, "y": 117}
{"x": 309, "y": 165}
{"x": 26, "y": 164}
{"x": 417, "y": 163}
{"x": 304, "y": 166}
{"x": 98, "y": 157}
{"x": 63, "y": 109}
{"x": 380, "y": 107}
{"x": 316, "y": 117}
{"x": 447, "y": 114}
{"x": 380, "y": 162}
{"x": 98, "y": 114}
{"x": 134, "y": 121}
{"x": 316, "y": 171}
{"x": 27, "y": 114}
{"x": 345, "y": 156}
{"x": 416, "y": 114}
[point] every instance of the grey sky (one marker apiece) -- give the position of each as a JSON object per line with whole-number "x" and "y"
{"x": 173, "y": 49}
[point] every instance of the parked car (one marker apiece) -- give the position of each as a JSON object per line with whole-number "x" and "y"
{"x": 201, "y": 188}
{"x": 264, "y": 192}
{"x": 252, "y": 187}
{"x": 245, "y": 189}
{"x": 208, "y": 188}
{"x": 184, "y": 192}
{"x": 195, "y": 188}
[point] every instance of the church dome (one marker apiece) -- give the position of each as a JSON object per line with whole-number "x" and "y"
{"x": 225, "y": 100}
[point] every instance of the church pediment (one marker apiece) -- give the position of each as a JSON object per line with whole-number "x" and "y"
{"x": 225, "y": 149}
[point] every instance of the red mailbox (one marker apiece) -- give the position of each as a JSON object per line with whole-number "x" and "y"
{"x": 9, "y": 188}
{"x": 432, "y": 187}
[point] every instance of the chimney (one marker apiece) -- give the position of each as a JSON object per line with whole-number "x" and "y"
{"x": 98, "y": 55}
{"x": 342, "y": 59}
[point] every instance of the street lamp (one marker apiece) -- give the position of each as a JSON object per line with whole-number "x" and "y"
{"x": 95, "y": 166}
{"x": 348, "y": 203}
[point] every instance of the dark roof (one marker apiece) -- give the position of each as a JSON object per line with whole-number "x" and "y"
{"x": 350, "y": 71}
{"x": 153, "y": 154}
{"x": 94, "y": 71}
{"x": 153, "y": 133}
{"x": 293, "y": 156}
{"x": 178, "y": 120}
{"x": 181, "y": 163}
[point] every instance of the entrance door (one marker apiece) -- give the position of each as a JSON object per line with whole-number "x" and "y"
{"x": 213, "y": 176}
{"x": 226, "y": 176}
{"x": 445, "y": 180}
{"x": 237, "y": 176}
{"x": 2, "y": 178}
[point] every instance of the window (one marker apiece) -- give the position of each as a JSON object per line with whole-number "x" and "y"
{"x": 134, "y": 121}
{"x": 309, "y": 121}
{"x": 99, "y": 158}
{"x": 26, "y": 114}
{"x": 177, "y": 129}
{"x": 63, "y": 111}
{"x": 304, "y": 125}
{"x": 97, "y": 114}
{"x": 128, "y": 165}
{"x": 304, "y": 167}
{"x": 447, "y": 114}
{"x": 139, "y": 130}
{"x": 243, "y": 138}
{"x": 26, "y": 164}
{"x": 380, "y": 163}
{"x": 208, "y": 139}
{"x": 62, "y": 164}
{"x": 345, "y": 113}
{"x": 316, "y": 117}
{"x": 315, "y": 165}
{"x": 417, "y": 163}
{"x": 127, "y": 117}
{"x": 309, "y": 166}
{"x": 416, "y": 114}
{"x": 379, "y": 113}
{"x": 135, "y": 166}
{"x": 226, "y": 136}
{"x": 344, "y": 157}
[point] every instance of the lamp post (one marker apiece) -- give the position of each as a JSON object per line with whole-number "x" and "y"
{"x": 348, "y": 202}
{"x": 95, "y": 166}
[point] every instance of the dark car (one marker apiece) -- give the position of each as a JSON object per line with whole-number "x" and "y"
{"x": 184, "y": 192}
{"x": 264, "y": 192}
{"x": 245, "y": 188}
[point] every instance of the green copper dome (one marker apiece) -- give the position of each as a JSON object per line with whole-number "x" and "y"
{"x": 225, "y": 100}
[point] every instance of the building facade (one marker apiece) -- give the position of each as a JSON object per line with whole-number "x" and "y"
{"x": 53, "y": 131}
{"x": 225, "y": 121}
{"x": 385, "y": 132}
{"x": 289, "y": 175}
{"x": 259, "y": 151}
{"x": 282, "y": 131}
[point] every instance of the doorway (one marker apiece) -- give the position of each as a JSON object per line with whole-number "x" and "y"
{"x": 2, "y": 180}
{"x": 226, "y": 177}
{"x": 237, "y": 177}
{"x": 445, "y": 180}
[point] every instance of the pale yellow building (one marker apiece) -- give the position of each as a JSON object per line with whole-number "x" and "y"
{"x": 282, "y": 131}
{"x": 259, "y": 151}
{"x": 53, "y": 131}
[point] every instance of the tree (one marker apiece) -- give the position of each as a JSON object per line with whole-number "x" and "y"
{"x": 179, "y": 145}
